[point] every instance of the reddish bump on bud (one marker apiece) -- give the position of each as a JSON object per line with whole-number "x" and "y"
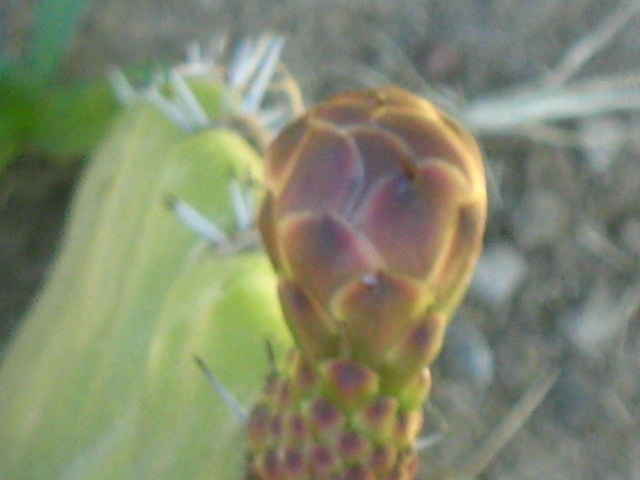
{"x": 323, "y": 461}
{"x": 259, "y": 424}
{"x": 353, "y": 447}
{"x": 382, "y": 459}
{"x": 305, "y": 378}
{"x": 348, "y": 384}
{"x": 358, "y": 472}
{"x": 294, "y": 464}
{"x": 378, "y": 419}
{"x": 411, "y": 353}
{"x": 297, "y": 430}
{"x": 373, "y": 218}
{"x": 271, "y": 468}
{"x": 326, "y": 420}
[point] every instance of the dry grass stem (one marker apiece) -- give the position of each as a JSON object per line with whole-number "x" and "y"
{"x": 525, "y": 109}
{"x": 477, "y": 461}
{"x": 509, "y": 113}
{"x": 588, "y": 46}
{"x": 599, "y": 244}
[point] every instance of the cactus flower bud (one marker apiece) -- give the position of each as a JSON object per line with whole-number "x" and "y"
{"x": 373, "y": 219}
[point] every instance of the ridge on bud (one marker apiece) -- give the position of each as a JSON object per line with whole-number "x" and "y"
{"x": 373, "y": 218}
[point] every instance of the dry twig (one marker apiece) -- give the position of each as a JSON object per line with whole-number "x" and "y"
{"x": 473, "y": 464}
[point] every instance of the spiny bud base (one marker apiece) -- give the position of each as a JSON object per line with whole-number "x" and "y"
{"x": 333, "y": 422}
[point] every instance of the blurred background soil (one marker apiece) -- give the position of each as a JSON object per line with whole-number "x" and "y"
{"x": 558, "y": 287}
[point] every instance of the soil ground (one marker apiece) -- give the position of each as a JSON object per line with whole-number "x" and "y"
{"x": 558, "y": 286}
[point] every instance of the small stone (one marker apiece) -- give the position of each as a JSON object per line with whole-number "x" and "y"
{"x": 630, "y": 235}
{"x": 594, "y": 326}
{"x": 573, "y": 398}
{"x": 467, "y": 354}
{"x": 500, "y": 272}
{"x": 602, "y": 138}
{"x": 541, "y": 219}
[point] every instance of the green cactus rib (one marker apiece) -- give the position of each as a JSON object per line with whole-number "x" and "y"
{"x": 99, "y": 382}
{"x": 373, "y": 219}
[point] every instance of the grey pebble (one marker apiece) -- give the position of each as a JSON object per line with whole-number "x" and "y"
{"x": 501, "y": 270}
{"x": 467, "y": 354}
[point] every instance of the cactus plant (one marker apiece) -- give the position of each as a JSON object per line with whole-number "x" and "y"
{"x": 373, "y": 220}
{"x": 100, "y": 382}
{"x": 373, "y": 216}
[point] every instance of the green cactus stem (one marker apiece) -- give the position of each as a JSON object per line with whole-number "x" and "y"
{"x": 100, "y": 383}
